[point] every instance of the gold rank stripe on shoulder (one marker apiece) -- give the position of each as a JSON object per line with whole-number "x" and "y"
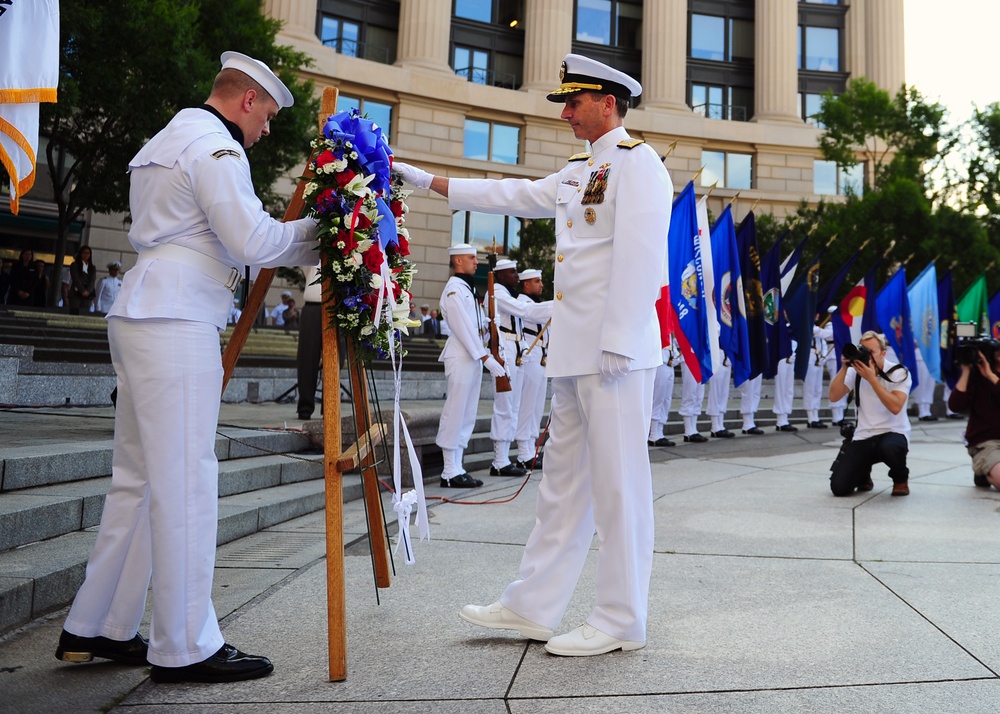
{"x": 580, "y": 157}
{"x": 630, "y": 143}
{"x": 226, "y": 152}
{"x": 453, "y": 292}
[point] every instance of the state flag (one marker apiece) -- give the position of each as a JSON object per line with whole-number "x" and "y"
{"x": 893, "y": 310}
{"x": 687, "y": 285}
{"x": 728, "y": 297}
{"x": 753, "y": 294}
{"x": 923, "y": 295}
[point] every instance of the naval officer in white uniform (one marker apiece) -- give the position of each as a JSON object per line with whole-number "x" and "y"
{"x": 195, "y": 219}
{"x": 612, "y": 210}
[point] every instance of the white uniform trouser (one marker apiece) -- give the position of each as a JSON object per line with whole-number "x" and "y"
{"x": 663, "y": 395}
{"x": 506, "y": 405}
{"x": 812, "y": 390}
{"x": 838, "y": 407}
{"x": 784, "y": 391}
{"x": 947, "y": 393}
{"x": 750, "y": 400}
{"x": 161, "y": 513}
{"x": 923, "y": 394}
{"x": 692, "y": 396}
{"x": 596, "y": 475}
{"x": 458, "y": 416}
{"x": 718, "y": 396}
{"x": 529, "y": 415}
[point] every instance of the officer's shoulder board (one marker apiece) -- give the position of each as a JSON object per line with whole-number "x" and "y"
{"x": 580, "y": 157}
{"x": 221, "y": 153}
{"x": 630, "y": 143}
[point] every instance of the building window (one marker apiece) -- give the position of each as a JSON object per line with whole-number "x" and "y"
{"x": 480, "y": 229}
{"x": 487, "y": 42}
{"x": 721, "y": 39}
{"x": 367, "y": 29}
{"x": 809, "y": 107}
{"x": 488, "y": 141}
{"x": 378, "y": 112}
{"x": 472, "y": 64}
{"x": 728, "y": 169}
{"x": 509, "y": 13}
{"x": 720, "y": 54}
{"x": 713, "y": 102}
{"x": 831, "y": 180}
{"x": 615, "y": 23}
{"x": 821, "y": 2}
{"x": 819, "y": 49}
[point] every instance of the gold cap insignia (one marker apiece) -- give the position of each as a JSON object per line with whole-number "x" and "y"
{"x": 562, "y": 71}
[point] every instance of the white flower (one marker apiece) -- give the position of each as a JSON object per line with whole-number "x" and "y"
{"x": 376, "y": 284}
{"x": 311, "y": 187}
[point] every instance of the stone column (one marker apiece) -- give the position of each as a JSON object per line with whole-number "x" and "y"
{"x": 548, "y": 37}
{"x": 854, "y": 40}
{"x": 298, "y": 16}
{"x": 424, "y": 32}
{"x": 664, "y": 54}
{"x": 884, "y": 44}
{"x": 776, "y": 76}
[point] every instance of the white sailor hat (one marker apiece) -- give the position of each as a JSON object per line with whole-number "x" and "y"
{"x": 529, "y": 274}
{"x": 286, "y": 294}
{"x": 260, "y": 73}
{"x": 114, "y": 264}
{"x": 505, "y": 265}
{"x": 462, "y": 249}
{"x": 582, "y": 74}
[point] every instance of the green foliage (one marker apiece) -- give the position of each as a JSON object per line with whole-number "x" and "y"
{"x": 984, "y": 167}
{"x": 127, "y": 66}
{"x": 538, "y": 250}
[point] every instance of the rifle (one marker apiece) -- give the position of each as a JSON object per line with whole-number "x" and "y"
{"x": 502, "y": 383}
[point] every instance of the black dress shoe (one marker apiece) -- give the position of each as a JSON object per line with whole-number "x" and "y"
{"x": 956, "y": 416}
{"x": 816, "y": 425}
{"x": 695, "y": 438}
{"x": 508, "y": 470}
{"x": 755, "y": 430}
{"x": 663, "y": 441}
{"x": 786, "y": 427}
{"x": 305, "y": 416}
{"x": 461, "y": 481}
{"x": 929, "y": 417}
{"x": 724, "y": 434}
{"x": 226, "y": 665}
{"x": 838, "y": 423}
{"x": 73, "y": 648}
{"x": 866, "y": 485}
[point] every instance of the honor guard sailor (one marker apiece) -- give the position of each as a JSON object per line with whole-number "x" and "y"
{"x": 534, "y": 385}
{"x": 195, "y": 217}
{"x": 612, "y": 210}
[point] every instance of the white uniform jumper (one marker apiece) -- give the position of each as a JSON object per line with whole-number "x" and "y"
{"x": 463, "y": 367}
{"x": 503, "y": 424}
{"x": 692, "y": 397}
{"x": 611, "y": 213}
{"x": 663, "y": 394}
{"x": 195, "y": 216}
{"x": 812, "y": 385}
{"x": 533, "y": 388}
{"x": 750, "y": 401}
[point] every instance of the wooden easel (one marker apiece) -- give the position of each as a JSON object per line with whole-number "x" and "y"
{"x": 335, "y": 463}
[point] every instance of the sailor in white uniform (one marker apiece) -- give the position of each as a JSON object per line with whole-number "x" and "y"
{"x": 663, "y": 395}
{"x": 195, "y": 219}
{"x": 534, "y": 384}
{"x": 812, "y": 385}
{"x": 612, "y": 211}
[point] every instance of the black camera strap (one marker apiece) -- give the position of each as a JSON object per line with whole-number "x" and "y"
{"x": 857, "y": 384}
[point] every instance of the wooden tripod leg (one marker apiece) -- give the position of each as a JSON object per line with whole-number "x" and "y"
{"x": 362, "y": 422}
{"x": 336, "y": 597}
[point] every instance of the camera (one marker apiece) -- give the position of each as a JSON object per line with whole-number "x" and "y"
{"x": 857, "y": 353}
{"x": 969, "y": 346}
{"x": 847, "y": 429}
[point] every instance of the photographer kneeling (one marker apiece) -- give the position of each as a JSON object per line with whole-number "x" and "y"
{"x": 978, "y": 392}
{"x": 883, "y": 432}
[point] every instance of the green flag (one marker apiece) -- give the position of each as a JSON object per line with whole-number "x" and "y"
{"x": 974, "y": 305}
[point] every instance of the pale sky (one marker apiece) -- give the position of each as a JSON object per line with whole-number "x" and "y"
{"x": 952, "y": 48}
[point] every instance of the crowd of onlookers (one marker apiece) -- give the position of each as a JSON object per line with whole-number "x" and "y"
{"x": 26, "y": 282}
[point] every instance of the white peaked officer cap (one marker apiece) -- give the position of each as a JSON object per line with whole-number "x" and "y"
{"x": 505, "y": 265}
{"x": 529, "y": 274}
{"x": 260, "y": 73}
{"x": 582, "y": 74}
{"x": 462, "y": 249}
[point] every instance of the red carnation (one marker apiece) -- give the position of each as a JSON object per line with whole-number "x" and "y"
{"x": 397, "y": 208}
{"x": 404, "y": 245}
{"x": 349, "y": 242}
{"x": 363, "y": 222}
{"x": 325, "y": 158}
{"x": 344, "y": 177}
{"x": 373, "y": 258}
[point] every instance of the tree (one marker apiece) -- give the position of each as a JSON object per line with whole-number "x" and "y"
{"x": 984, "y": 167}
{"x": 538, "y": 250}
{"x": 126, "y": 67}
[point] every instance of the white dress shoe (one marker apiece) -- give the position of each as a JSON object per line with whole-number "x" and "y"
{"x": 497, "y": 617}
{"x": 586, "y": 640}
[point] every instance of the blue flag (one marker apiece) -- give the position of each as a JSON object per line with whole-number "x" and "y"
{"x": 995, "y": 316}
{"x": 923, "y": 296}
{"x": 790, "y": 265}
{"x": 753, "y": 295}
{"x": 779, "y": 342}
{"x": 687, "y": 285}
{"x": 728, "y": 298}
{"x": 828, "y": 293}
{"x": 947, "y": 317}
{"x": 855, "y": 313}
{"x": 800, "y": 308}
{"x": 893, "y": 310}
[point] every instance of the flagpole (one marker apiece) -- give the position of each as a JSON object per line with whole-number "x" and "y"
{"x": 697, "y": 174}
{"x": 670, "y": 148}
{"x": 734, "y": 198}
{"x": 832, "y": 239}
{"x": 754, "y": 206}
{"x": 710, "y": 189}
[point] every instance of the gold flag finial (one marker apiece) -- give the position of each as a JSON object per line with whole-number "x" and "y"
{"x": 697, "y": 174}
{"x": 735, "y": 198}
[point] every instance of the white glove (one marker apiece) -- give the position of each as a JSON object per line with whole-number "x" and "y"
{"x": 412, "y": 175}
{"x": 613, "y": 366}
{"x": 494, "y": 367}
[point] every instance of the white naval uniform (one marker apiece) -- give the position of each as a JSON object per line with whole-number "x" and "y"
{"x": 463, "y": 367}
{"x": 750, "y": 401}
{"x": 506, "y": 405}
{"x": 534, "y": 385}
{"x": 107, "y": 290}
{"x": 692, "y": 397}
{"x": 190, "y": 187}
{"x": 812, "y": 385}
{"x": 784, "y": 388}
{"x": 663, "y": 393}
{"x": 609, "y": 261}
{"x": 718, "y": 395}
{"x": 923, "y": 394}
{"x": 829, "y": 354}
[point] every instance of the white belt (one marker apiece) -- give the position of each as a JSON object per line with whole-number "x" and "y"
{"x": 215, "y": 269}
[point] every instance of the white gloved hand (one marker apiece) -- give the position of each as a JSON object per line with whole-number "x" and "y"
{"x": 494, "y": 367}
{"x": 412, "y": 175}
{"x": 613, "y": 366}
